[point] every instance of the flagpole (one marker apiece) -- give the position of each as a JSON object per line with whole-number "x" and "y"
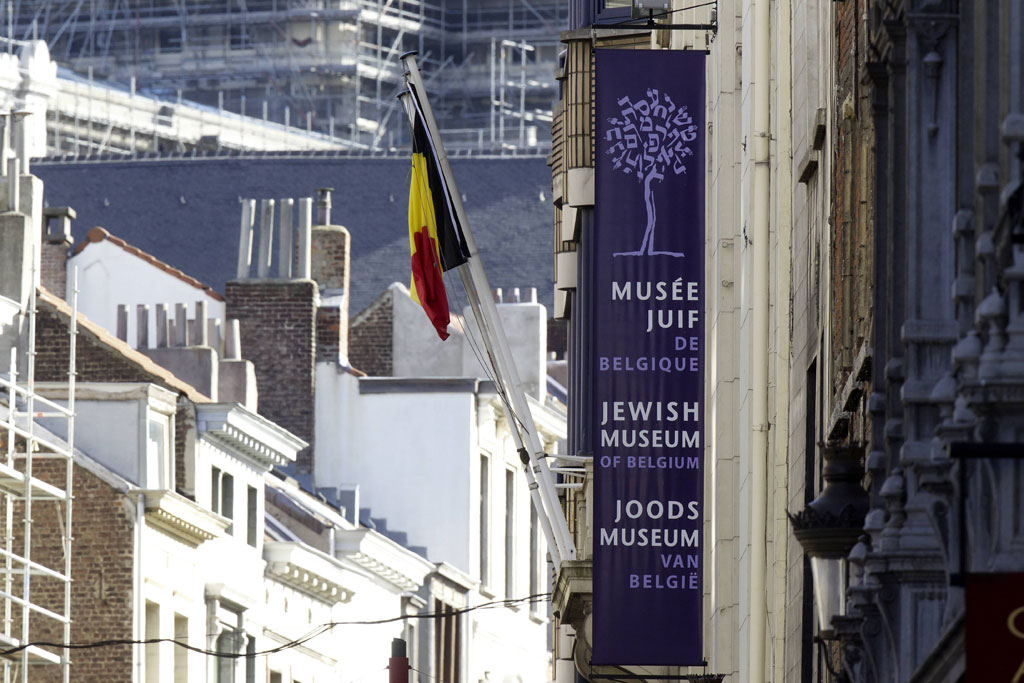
{"x": 474, "y": 303}
{"x": 491, "y": 328}
{"x": 531, "y": 479}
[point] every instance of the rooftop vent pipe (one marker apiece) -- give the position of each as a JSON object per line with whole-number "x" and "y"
{"x": 323, "y": 205}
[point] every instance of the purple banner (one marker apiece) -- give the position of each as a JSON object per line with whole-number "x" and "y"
{"x": 648, "y": 372}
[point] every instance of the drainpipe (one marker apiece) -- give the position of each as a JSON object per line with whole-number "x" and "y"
{"x": 783, "y": 191}
{"x": 760, "y": 230}
{"x": 140, "y": 601}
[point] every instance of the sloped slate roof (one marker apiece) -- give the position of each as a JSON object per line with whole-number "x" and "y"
{"x": 186, "y": 212}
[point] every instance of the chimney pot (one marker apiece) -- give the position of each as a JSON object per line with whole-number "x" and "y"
{"x": 180, "y": 325}
{"x": 142, "y": 326}
{"x": 13, "y": 186}
{"x": 162, "y": 327}
{"x": 514, "y": 299}
{"x": 498, "y": 295}
{"x": 202, "y": 336}
{"x": 323, "y": 205}
{"x": 214, "y": 334}
{"x": 266, "y": 238}
{"x": 303, "y": 261}
{"x": 62, "y": 216}
{"x": 122, "y": 322}
{"x": 245, "y": 238}
{"x": 21, "y": 140}
{"x": 285, "y": 257}
{"x": 232, "y": 342}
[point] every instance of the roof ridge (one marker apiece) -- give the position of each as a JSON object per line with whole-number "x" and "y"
{"x": 98, "y": 234}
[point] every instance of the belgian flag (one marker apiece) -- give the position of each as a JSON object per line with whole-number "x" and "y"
{"x": 436, "y": 240}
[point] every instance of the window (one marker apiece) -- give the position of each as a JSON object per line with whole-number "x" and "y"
{"x": 485, "y": 506}
{"x": 228, "y": 642}
{"x": 180, "y": 653}
{"x": 275, "y": 677}
{"x": 412, "y": 645}
{"x": 510, "y": 502}
{"x": 215, "y": 489}
{"x": 250, "y": 660}
{"x": 222, "y": 494}
{"x": 447, "y": 636}
{"x": 157, "y": 453}
{"x": 252, "y": 516}
{"x": 152, "y": 649}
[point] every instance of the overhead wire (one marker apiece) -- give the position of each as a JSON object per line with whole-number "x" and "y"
{"x": 310, "y": 635}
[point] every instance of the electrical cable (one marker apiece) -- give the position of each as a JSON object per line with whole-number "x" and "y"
{"x": 316, "y": 631}
{"x": 424, "y": 673}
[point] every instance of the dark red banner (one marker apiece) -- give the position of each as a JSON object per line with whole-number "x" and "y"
{"x": 995, "y": 628}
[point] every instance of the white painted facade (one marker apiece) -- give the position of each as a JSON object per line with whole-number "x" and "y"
{"x": 418, "y": 352}
{"x": 417, "y": 448}
{"x": 795, "y": 43}
{"x": 430, "y": 451}
{"x": 109, "y": 276}
{"x": 414, "y": 446}
{"x": 208, "y": 574}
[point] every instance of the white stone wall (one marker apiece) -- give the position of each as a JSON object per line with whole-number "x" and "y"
{"x": 416, "y": 457}
{"x": 799, "y": 48}
{"x": 727, "y": 421}
{"x": 418, "y": 352}
{"x": 109, "y": 276}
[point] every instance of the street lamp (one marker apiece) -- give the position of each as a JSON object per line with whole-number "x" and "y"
{"x": 828, "y": 528}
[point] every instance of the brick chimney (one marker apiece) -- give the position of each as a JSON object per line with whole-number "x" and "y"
{"x": 330, "y": 254}
{"x": 57, "y": 240}
{"x": 276, "y": 311}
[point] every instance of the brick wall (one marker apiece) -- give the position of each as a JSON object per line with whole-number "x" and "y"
{"x": 329, "y": 321}
{"x": 94, "y": 360}
{"x": 330, "y": 267}
{"x": 370, "y": 338}
{"x": 277, "y": 323}
{"x": 53, "y": 267}
{"x": 102, "y": 561}
{"x": 184, "y": 422}
{"x": 851, "y": 262}
{"x": 329, "y": 256}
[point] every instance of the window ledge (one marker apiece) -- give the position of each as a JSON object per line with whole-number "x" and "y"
{"x": 176, "y": 515}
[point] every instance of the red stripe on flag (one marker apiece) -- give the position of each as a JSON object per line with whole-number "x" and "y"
{"x": 426, "y": 274}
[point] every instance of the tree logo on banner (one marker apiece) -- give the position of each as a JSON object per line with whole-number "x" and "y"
{"x": 648, "y": 141}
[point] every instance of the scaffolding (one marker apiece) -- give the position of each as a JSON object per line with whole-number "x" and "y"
{"x": 36, "y": 471}
{"x": 328, "y": 66}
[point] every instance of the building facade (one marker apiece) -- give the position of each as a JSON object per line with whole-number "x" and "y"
{"x": 445, "y": 489}
{"x": 190, "y": 529}
{"x": 863, "y": 182}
